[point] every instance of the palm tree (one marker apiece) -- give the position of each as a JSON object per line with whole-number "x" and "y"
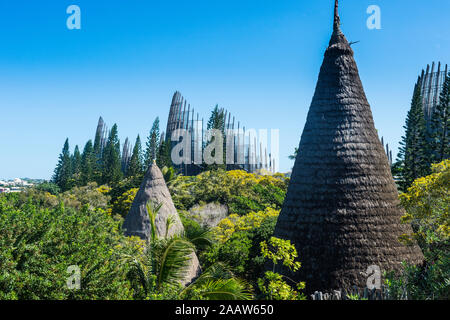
{"x": 293, "y": 156}
{"x": 166, "y": 262}
{"x": 170, "y": 260}
{"x": 152, "y": 210}
{"x": 219, "y": 283}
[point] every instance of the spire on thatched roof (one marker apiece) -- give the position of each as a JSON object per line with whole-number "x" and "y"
{"x": 337, "y": 20}
{"x": 341, "y": 210}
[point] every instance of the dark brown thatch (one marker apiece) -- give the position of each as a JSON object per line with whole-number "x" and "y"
{"x": 341, "y": 210}
{"x": 137, "y": 223}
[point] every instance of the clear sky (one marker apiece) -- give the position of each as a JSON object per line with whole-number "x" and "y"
{"x": 259, "y": 59}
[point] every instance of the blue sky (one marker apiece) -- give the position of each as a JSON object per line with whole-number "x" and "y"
{"x": 259, "y": 59}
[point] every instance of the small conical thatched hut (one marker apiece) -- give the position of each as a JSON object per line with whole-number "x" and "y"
{"x": 341, "y": 210}
{"x": 137, "y": 223}
{"x": 153, "y": 188}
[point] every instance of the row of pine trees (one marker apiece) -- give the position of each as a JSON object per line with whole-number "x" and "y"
{"x": 423, "y": 144}
{"x": 103, "y": 162}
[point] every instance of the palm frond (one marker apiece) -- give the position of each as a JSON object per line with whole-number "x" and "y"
{"x": 219, "y": 283}
{"x": 173, "y": 258}
{"x": 169, "y": 223}
{"x": 152, "y": 210}
{"x": 200, "y": 237}
{"x": 217, "y": 271}
{"x": 226, "y": 289}
{"x": 137, "y": 273}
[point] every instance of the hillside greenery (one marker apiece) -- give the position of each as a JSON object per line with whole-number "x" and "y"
{"x": 427, "y": 204}
{"x": 46, "y": 229}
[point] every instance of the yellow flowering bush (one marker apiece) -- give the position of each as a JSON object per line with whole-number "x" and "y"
{"x": 235, "y": 223}
{"x": 241, "y": 191}
{"x": 241, "y": 177}
{"x": 91, "y": 195}
{"x": 104, "y": 189}
{"x": 272, "y": 285}
{"x": 123, "y": 203}
{"x": 427, "y": 204}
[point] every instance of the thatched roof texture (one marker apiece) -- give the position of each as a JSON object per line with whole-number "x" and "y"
{"x": 137, "y": 223}
{"x": 342, "y": 210}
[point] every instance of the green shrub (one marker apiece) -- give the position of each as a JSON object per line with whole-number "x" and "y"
{"x": 427, "y": 204}
{"x": 39, "y": 244}
{"x": 242, "y": 192}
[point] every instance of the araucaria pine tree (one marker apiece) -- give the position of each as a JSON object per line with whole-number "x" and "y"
{"x": 414, "y": 153}
{"x": 63, "y": 171}
{"x": 440, "y": 126}
{"x": 217, "y": 119}
{"x": 112, "y": 171}
{"x": 217, "y": 122}
{"x": 99, "y": 144}
{"x": 135, "y": 166}
{"x": 88, "y": 160}
{"x": 163, "y": 157}
{"x": 76, "y": 164}
{"x": 126, "y": 155}
{"x": 152, "y": 144}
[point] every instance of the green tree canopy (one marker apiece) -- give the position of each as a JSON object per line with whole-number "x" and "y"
{"x": 163, "y": 159}
{"x": 88, "y": 160}
{"x": 414, "y": 153}
{"x": 76, "y": 162}
{"x": 63, "y": 170}
{"x": 217, "y": 121}
{"x": 152, "y": 144}
{"x": 135, "y": 167}
{"x": 112, "y": 171}
{"x": 440, "y": 125}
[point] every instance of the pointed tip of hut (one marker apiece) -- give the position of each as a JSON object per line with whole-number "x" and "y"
{"x": 337, "y": 19}
{"x": 338, "y": 40}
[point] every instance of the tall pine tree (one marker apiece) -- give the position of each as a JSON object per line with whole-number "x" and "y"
{"x": 163, "y": 158}
{"x": 135, "y": 166}
{"x": 88, "y": 160}
{"x": 414, "y": 153}
{"x": 76, "y": 164}
{"x": 152, "y": 144}
{"x": 217, "y": 121}
{"x": 63, "y": 171}
{"x": 440, "y": 125}
{"x": 126, "y": 155}
{"x": 98, "y": 141}
{"x": 98, "y": 147}
{"x": 112, "y": 171}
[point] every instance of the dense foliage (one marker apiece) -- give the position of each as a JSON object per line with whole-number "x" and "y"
{"x": 242, "y": 192}
{"x": 76, "y": 219}
{"x": 104, "y": 162}
{"x": 39, "y": 243}
{"x": 427, "y": 204}
{"x": 237, "y": 243}
{"x": 273, "y": 285}
{"x": 422, "y": 144}
{"x": 414, "y": 151}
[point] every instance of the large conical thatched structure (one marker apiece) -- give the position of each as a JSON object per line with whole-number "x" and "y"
{"x": 341, "y": 210}
{"x": 137, "y": 223}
